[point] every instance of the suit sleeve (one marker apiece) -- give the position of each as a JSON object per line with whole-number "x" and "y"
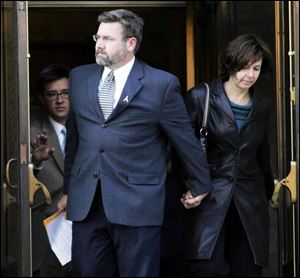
{"x": 71, "y": 142}
{"x": 176, "y": 124}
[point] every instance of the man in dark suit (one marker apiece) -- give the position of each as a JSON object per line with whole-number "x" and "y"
{"x": 115, "y": 165}
{"x": 47, "y": 156}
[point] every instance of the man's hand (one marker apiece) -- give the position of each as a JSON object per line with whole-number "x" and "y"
{"x": 189, "y": 201}
{"x": 40, "y": 149}
{"x": 62, "y": 204}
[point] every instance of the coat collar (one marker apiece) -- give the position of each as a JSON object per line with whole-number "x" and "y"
{"x": 221, "y": 100}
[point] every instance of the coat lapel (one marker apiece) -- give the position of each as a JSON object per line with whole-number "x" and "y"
{"x": 93, "y": 83}
{"x": 221, "y": 100}
{"x": 256, "y": 104}
{"x": 132, "y": 86}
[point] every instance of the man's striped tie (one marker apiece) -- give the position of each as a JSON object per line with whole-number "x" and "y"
{"x": 63, "y": 143}
{"x": 106, "y": 95}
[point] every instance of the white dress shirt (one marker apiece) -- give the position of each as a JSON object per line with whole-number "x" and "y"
{"x": 58, "y": 127}
{"x": 121, "y": 75}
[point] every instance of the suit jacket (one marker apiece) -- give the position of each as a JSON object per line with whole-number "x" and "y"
{"x": 127, "y": 152}
{"x": 51, "y": 175}
{"x": 240, "y": 170}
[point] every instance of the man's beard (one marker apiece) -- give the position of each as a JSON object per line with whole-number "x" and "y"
{"x": 103, "y": 61}
{"x": 106, "y": 61}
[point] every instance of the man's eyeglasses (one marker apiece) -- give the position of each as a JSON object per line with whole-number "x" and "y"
{"x": 55, "y": 95}
{"x": 96, "y": 37}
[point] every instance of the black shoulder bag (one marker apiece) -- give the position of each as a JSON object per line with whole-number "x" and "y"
{"x": 203, "y": 129}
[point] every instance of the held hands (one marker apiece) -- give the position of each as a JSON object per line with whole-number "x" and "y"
{"x": 40, "y": 149}
{"x": 189, "y": 201}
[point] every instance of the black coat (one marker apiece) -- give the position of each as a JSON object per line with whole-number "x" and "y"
{"x": 240, "y": 170}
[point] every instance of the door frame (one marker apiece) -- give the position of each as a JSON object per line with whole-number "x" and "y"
{"x": 15, "y": 211}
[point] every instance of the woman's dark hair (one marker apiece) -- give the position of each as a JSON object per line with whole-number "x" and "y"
{"x": 51, "y": 73}
{"x": 243, "y": 50}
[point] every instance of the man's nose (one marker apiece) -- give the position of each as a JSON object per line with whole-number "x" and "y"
{"x": 59, "y": 98}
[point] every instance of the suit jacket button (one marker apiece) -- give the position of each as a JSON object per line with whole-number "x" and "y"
{"x": 95, "y": 175}
{"x": 101, "y": 151}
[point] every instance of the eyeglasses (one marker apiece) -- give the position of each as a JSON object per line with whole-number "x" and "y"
{"x": 54, "y": 95}
{"x": 96, "y": 37}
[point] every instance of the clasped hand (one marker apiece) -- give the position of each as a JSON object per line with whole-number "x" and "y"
{"x": 189, "y": 201}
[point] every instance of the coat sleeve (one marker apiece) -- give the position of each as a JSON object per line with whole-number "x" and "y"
{"x": 71, "y": 149}
{"x": 177, "y": 125}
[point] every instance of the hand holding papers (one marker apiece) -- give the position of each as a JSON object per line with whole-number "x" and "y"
{"x": 59, "y": 232}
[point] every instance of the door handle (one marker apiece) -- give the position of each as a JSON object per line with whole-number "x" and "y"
{"x": 7, "y": 174}
{"x": 8, "y": 199}
{"x": 290, "y": 183}
{"x": 34, "y": 185}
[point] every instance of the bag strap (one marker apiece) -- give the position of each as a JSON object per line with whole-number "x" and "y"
{"x": 203, "y": 129}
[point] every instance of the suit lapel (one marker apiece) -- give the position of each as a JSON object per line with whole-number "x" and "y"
{"x": 93, "y": 83}
{"x": 132, "y": 86}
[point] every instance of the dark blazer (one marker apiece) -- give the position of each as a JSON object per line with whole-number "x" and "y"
{"x": 240, "y": 170}
{"x": 51, "y": 175}
{"x": 127, "y": 152}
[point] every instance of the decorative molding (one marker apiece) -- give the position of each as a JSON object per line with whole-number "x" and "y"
{"x": 89, "y": 4}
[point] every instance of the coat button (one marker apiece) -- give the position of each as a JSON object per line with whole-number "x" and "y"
{"x": 101, "y": 151}
{"x": 95, "y": 175}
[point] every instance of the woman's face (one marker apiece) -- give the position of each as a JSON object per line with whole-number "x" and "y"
{"x": 246, "y": 77}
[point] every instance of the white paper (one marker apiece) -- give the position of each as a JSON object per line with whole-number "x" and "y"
{"x": 59, "y": 232}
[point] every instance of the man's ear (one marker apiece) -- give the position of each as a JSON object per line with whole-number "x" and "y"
{"x": 131, "y": 44}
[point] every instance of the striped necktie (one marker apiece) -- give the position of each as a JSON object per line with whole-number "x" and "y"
{"x": 63, "y": 142}
{"x": 106, "y": 95}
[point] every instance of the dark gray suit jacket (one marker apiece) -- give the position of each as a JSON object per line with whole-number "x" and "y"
{"x": 127, "y": 152}
{"x": 51, "y": 175}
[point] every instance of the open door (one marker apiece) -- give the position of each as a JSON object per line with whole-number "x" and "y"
{"x": 15, "y": 211}
{"x": 285, "y": 198}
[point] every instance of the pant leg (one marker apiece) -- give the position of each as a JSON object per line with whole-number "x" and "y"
{"x": 92, "y": 246}
{"x": 137, "y": 250}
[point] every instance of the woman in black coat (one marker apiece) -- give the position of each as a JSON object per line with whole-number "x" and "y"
{"x": 228, "y": 233}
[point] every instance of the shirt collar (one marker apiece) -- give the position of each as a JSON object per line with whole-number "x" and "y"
{"x": 56, "y": 125}
{"x": 120, "y": 72}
